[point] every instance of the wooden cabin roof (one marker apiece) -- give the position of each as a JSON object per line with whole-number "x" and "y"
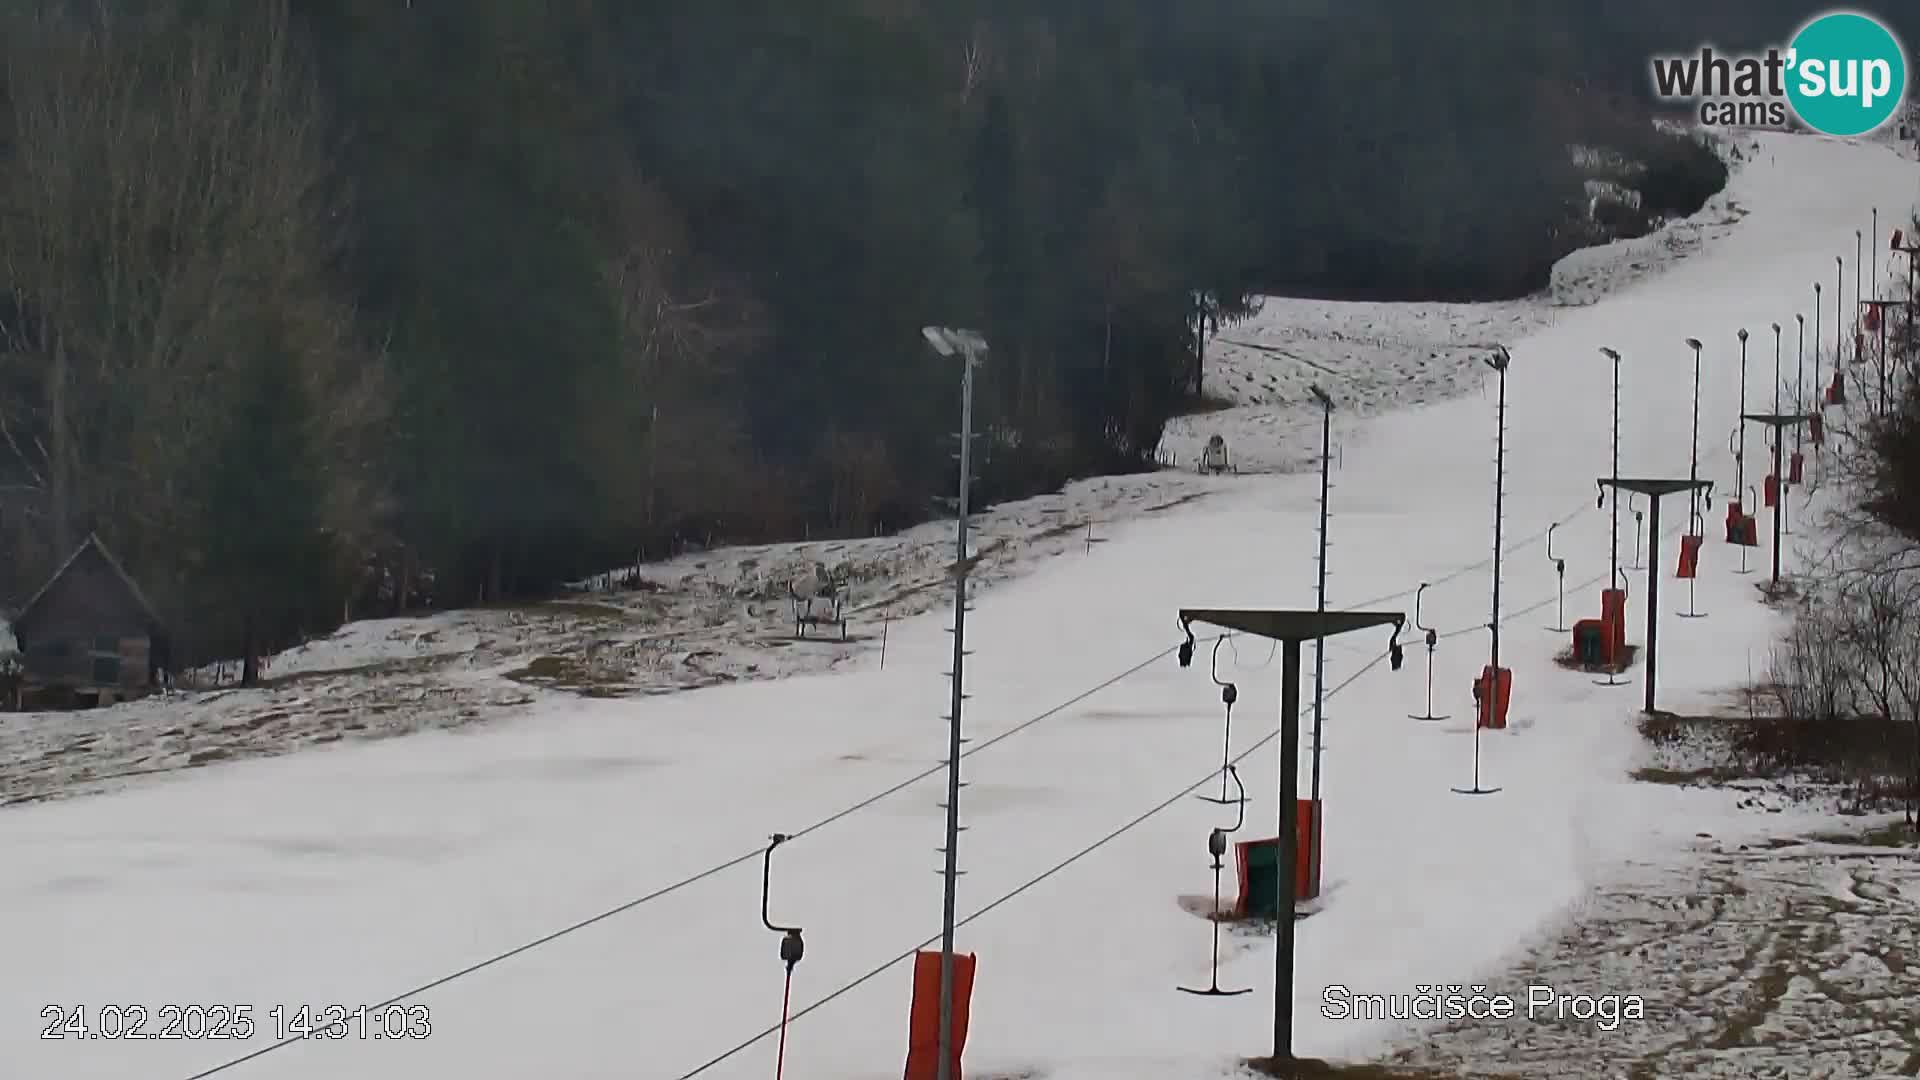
{"x": 92, "y": 543}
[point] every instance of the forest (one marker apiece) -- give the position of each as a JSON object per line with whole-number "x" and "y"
{"x": 324, "y": 308}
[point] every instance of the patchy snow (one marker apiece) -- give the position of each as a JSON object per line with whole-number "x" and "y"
{"x": 357, "y": 872}
{"x": 722, "y": 616}
{"x": 1373, "y": 358}
{"x": 1769, "y": 957}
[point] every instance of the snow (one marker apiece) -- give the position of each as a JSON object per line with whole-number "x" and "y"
{"x": 714, "y": 617}
{"x": 1380, "y": 357}
{"x": 352, "y": 872}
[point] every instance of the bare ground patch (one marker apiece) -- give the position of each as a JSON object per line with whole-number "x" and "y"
{"x": 1789, "y": 960}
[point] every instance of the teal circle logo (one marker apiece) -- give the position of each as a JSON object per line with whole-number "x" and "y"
{"x": 1847, "y": 74}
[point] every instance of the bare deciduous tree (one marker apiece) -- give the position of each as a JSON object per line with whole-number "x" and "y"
{"x": 663, "y": 413}
{"x": 1854, "y": 652}
{"x": 166, "y": 219}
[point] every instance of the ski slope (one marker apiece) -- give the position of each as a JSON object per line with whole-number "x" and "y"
{"x": 351, "y": 875}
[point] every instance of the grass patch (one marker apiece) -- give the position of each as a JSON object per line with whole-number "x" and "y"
{"x": 1866, "y": 756}
{"x": 1686, "y": 777}
{"x": 1183, "y": 500}
{"x": 1567, "y": 661}
{"x": 1317, "y": 1069}
{"x": 1894, "y": 835}
{"x": 571, "y": 609}
{"x": 570, "y": 674}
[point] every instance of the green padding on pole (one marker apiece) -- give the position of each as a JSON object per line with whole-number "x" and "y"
{"x": 1263, "y": 879}
{"x": 1591, "y": 641}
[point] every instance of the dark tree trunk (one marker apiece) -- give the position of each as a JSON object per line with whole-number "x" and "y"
{"x": 249, "y": 653}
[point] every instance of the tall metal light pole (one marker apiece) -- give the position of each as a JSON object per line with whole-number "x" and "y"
{"x": 1873, "y": 255}
{"x": 1859, "y": 288}
{"x": 1693, "y": 460}
{"x": 1799, "y": 380}
{"x": 1776, "y": 368}
{"x": 1740, "y": 453}
{"x": 1839, "y": 307}
{"x": 969, "y": 346}
{"x": 1487, "y": 707}
{"x": 1613, "y": 546}
{"x": 1498, "y": 362}
{"x": 1819, "y": 388}
{"x": 1696, "y": 515}
{"x": 1320, "y": 605}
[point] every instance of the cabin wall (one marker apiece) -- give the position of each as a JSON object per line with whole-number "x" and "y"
{"x": 103, "y": 662}
{"x": 86, "y": 633}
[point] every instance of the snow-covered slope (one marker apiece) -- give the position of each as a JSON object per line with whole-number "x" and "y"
{"x": 355, "y": 874}
{"x": 714, "y": 617}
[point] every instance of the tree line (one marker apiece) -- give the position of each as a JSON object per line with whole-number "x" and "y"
{"x": 317, "y": 308}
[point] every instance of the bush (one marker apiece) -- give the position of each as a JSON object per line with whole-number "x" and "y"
{"x": 1681, "y": 175}
{"x": 1854, "y": 654}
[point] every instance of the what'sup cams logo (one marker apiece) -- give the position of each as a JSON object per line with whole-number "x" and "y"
{"x": 1843, "y": 74}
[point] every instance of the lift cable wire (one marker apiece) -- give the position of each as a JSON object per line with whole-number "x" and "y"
{"x": 717, "y": 868}
{"x": 1096, "y": 845}
{"x": 748, "y": 856}
{"x": 1158, "y": 808}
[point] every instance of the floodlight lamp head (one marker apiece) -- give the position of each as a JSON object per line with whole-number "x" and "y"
{"x": 1816, "y": 288}
{"x": 1610, "y": 354}
{"x": 938, "y": 337}
{"x": 1742, "y": 335}
{"x": 1395, "y": 654}
{"x": 1776, "y": 329}
{"x": 1500, "y": 358}
{"x": 1320, "y": 396}
{"x": 1799, "y": 318}
{"x": 1694, "y": 344}
{"x": 1186, "y": 647}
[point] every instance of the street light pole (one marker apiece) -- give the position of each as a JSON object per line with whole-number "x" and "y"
{"x": 1839, "y": 316}
{"x": 1320, "y": 605}
{"x": 968, "y": 345}
{"x": 1776, "y": 367}
{"x": 1613, "y": 547}
{"x": 1740, "y": 454}
{"x": 1498, "y": 362}
{"x": 1696, "y": 514}
{"x": 1819, "y": 387}
{"x": 1487, "y": 697}
{"x": 1693, "y": 463}
{"x": 1799, "y": 377}
{"x": 1616, "y": 661}
{"x": 1740, "y": 458}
